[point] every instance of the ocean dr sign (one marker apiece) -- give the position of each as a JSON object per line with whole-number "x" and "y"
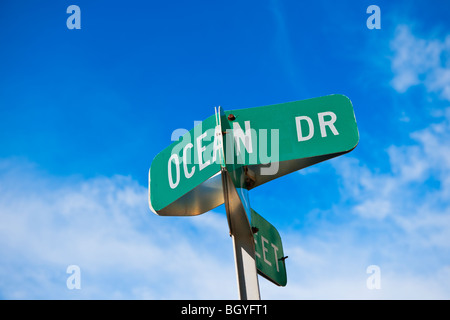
{"x": 270, "y": 141}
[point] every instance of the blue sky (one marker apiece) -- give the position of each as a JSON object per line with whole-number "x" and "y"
{"x": 83, "y": 113}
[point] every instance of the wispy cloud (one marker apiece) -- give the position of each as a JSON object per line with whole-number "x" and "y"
{"x": 402, "y": 215}
{"x": 124, "y": 251}
{"x": 420, "y": 61}
{"x": 397, "y": 219}
{"x": 415, "y": 192}
{"x": 104, "y": 226}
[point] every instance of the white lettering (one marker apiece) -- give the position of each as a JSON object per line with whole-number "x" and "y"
{"x": 275, "y": 250}
{"x": 374, "y": 21}
{"x": 299, "y": 128}
{"x": 74, "y": 20}
{"x": 246, "y": 309}
{"x": 198, "y": 310}
{"x": 265, "y": 250}
{"x": 329, "y": 123}
{"x": 174, "y": 158}
{"x": 256, "y": 253}
{"x": 74, "y": 280}
{"x": 246, "y": 137}
{"x": 374, "y": 280}
{"x": 274, "y": 157}
{"x": 202, "y": 165}
{"x": 185, "y": 161}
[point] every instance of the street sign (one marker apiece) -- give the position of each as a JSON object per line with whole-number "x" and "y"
{"x": 267, "y": 142}
{"x": 278, "y": 139}
{"x": 229, "y": 153}
{"x": 270, "y": 259}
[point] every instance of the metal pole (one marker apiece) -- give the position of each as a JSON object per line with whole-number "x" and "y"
{"x": 236, "y": 204}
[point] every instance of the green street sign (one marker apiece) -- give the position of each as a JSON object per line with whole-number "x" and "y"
{"x": 270, "y": 259}
{"x": 264, "y": 142}
{"x": 278, "y": 139}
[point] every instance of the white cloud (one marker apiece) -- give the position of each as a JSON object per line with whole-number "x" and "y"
{"x": 414, "y": 193}
{"x": 398, "y": 219}
{"x": 125, "y": 251}
{"x": 402, "y": 215}
{"x": 332, "y": 264}
{"x": 420, "y": 61}
{"x": 104, "y": 226}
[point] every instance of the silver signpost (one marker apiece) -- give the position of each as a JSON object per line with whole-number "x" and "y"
{"x": 243, "y": 242}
